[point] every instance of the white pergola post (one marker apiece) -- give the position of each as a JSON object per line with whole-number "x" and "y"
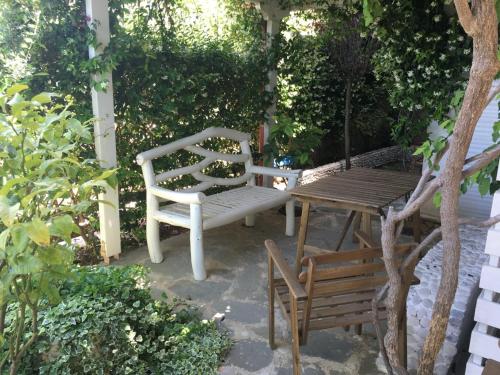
{"x": 273, "y": 14}
{"x": 104, "y": 132}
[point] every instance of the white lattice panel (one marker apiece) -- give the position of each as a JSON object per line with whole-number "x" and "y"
{"x": 487, "y": 312}
{"x": 490, "y": 279}
{"x": 484, "y": 345}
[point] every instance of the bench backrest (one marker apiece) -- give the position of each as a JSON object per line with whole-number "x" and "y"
{"x": 191, "y": 144}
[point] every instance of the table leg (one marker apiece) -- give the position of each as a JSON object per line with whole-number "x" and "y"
{"x": 417, "y": 226}
{"x": 366, "y": 225}
{"x": 304, "y": 219}
{"x": 366, "y": 228}
{"x": 348, "y": 223}
{"x": 356, "y": 226}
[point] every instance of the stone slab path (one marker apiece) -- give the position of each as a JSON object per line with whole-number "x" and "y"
{"x": 236, "y": 287}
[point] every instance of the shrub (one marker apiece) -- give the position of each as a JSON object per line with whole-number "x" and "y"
{"x": 46, "y": 190}
{"x": 424, "y": 57}
{"x": 170, "y": 81}
{"x": 109, "y": 323}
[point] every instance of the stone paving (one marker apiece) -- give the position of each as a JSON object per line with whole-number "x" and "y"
{"x": 236, "y": 263}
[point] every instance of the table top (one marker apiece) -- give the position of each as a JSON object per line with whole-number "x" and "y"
{"x": 371, "y": 188}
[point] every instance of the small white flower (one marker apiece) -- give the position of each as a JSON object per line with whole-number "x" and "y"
{"x": 460, "y": 38}
{"x": 437, "y": 18}
{"x": 442, "y": 57}
{"x": 466, "y": 51}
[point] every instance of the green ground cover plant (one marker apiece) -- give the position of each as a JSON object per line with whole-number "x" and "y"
{"x": 109, "y": 323}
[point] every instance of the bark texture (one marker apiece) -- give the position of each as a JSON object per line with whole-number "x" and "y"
{"x": 483, "y": 70}
{"x": 479, "y": 20}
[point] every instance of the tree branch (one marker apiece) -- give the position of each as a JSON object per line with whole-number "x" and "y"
{"x": 480, "y": 161}
{"x": 493, "y": 95}
{"x": 466, "y": 18}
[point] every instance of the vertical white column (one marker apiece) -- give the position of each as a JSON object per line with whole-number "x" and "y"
{"x": 272, "y": 30}
{"x": 104, "y": 132}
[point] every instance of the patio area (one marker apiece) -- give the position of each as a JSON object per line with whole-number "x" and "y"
{"x": 236, "y": 263}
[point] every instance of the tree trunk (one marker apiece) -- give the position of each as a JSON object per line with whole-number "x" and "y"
{"x": 483, "y": 70}
{"x": 347, "y": 123}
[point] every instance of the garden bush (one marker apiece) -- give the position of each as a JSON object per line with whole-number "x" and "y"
{"x": 424, "y": 57}
{"x": 170, "y": 81}
{"x": 311, "y": 90}
{"x": 47, "y": 189}
{"x": 108, "y": 323}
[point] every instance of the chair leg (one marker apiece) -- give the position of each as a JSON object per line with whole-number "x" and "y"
{"x": 250, "y": 220}
{"x": 271, "y": 292}
{"x": 290, "y": 218}
{"x": 196, "y": 238}
{"x": 295, "y": 336}
{"x": 153, "y": 239}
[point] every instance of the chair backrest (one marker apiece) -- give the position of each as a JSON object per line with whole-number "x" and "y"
{"x": 340, "y": 273}
{"x": 191, "y": 144}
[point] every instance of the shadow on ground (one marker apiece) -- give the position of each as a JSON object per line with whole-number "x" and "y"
{"x": 236, "y": 263}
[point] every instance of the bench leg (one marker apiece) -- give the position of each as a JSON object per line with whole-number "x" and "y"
{"x": 153, "y": 239}
{"x": 196, "y": 239}
{"x": 290, "y": 218}
{"x": 250, "y": 220}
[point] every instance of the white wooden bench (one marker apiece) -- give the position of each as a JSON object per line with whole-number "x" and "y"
{"x": 195, "y": 210}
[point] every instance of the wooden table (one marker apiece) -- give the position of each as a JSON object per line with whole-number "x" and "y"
{"x": 364, "y": 192}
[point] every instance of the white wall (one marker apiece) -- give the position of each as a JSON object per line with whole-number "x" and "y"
{"x": 471, "y": 203}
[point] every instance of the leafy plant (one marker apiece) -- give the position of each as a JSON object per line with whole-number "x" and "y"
{"x": 108, "y": 322}
{"x": 170, "y": 80}
{"x": 424, "y": 57}
{"x": 46, "y": 189}
{"x": 292, "y": 142}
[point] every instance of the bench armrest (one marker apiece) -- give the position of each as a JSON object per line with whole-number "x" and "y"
{"x": 176, "y": 196}
{"x": 296, "y": 289}
{"x": 275, "y": 172}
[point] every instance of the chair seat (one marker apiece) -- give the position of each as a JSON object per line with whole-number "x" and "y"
{"x": 333, "y": 311}
{"x": 228, "y": 206}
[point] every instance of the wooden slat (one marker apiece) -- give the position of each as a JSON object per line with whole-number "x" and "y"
{"x": 346, "y": 320}
{"x": 344, "y": 271}
{"x": 349, "y": 286}
{"x": 333, "y": 300}
{"x": 374, "y": 188}
{"x": 349, "y": 255}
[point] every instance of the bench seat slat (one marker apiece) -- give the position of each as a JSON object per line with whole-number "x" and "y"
{"x": 232, "y": 204}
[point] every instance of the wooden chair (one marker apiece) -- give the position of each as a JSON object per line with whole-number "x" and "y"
{"x": 334, "y": 290}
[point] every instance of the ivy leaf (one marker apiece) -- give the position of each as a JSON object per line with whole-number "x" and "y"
{"x": 38, "y": 231}
{"x": 436, "y": 200}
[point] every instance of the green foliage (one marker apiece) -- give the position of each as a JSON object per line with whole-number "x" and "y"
{"x": 311, "y": 88}
{"x": 292, "y": 140}
{"x": 109, "y": 323}
{"x": 423, "y": 58}
{"x": 170, "y": 80}
{"x": 46, "y": 190}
